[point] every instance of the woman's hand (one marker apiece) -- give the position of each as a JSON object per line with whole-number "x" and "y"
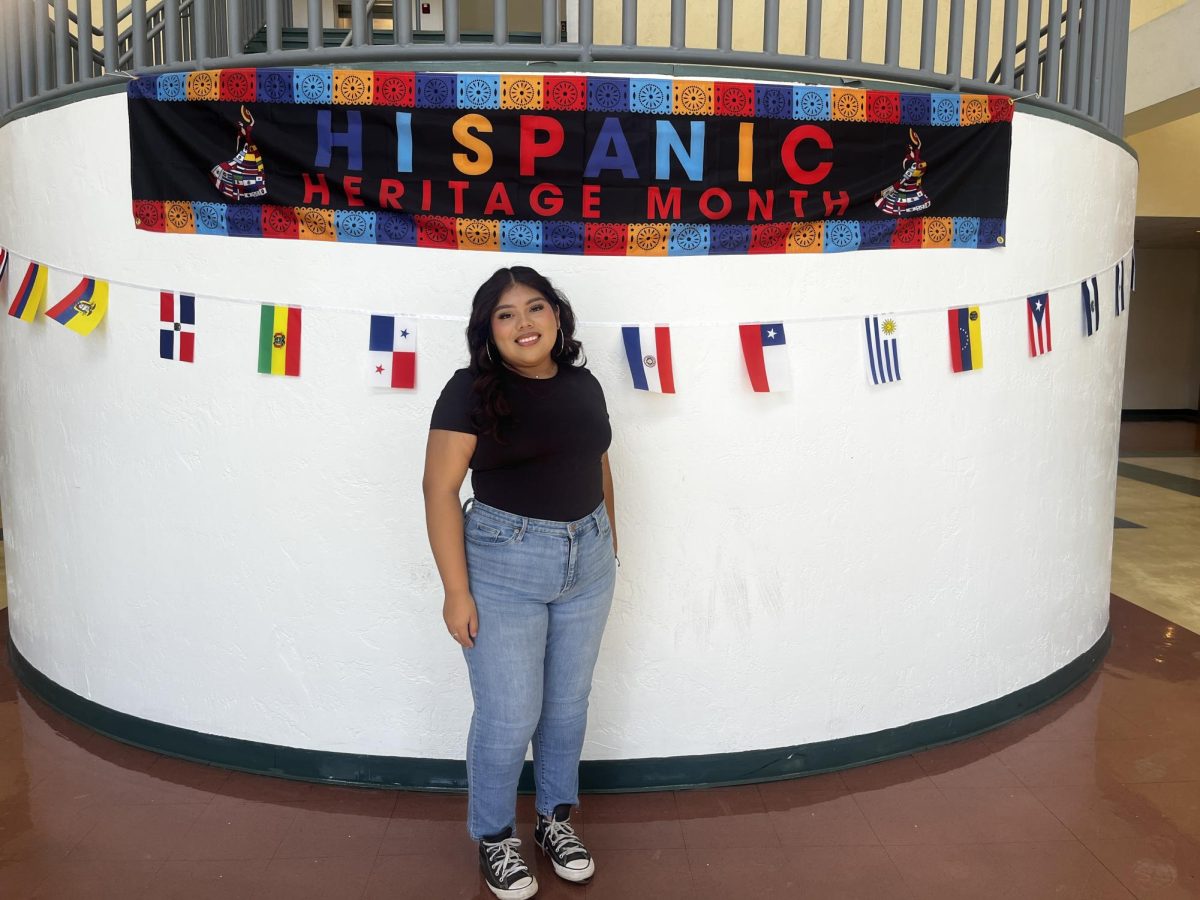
{"x": 461, "y": 618}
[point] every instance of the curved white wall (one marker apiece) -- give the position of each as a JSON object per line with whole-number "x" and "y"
{"x": 245, "y": 555}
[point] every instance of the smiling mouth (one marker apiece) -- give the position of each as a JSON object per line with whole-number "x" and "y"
{"x": 528, "y": 340}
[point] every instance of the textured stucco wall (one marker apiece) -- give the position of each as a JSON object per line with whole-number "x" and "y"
{"x": 245, "y": 555}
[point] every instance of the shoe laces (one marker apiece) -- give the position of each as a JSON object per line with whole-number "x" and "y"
{"x": 503, "y": 857}
{"x": 562, "y": 837}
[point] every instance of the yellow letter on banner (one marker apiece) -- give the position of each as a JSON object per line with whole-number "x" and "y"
{"x": 463, "y": 128}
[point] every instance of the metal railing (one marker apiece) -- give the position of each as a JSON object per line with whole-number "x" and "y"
{"x": 1066, "y": 55}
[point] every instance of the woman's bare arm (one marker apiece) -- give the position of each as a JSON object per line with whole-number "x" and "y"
{"x": 447, "y": 458}
{"x": 610, "y": 502}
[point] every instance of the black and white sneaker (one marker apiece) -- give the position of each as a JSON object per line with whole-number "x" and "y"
{"x": 506, "y": 874}
{"x": 558, "y": 840}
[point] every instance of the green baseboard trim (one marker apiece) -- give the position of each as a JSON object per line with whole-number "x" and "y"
{"x": 596, "y": 776}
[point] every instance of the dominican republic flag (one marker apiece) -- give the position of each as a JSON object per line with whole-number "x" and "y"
{"x": 883, "y": 349}
{"x": 1090, "y": 292}
{"x": 3, "y": 262}
{"x": 177, "y": 336}
{"x": 765, "y": 351}
{"x": 1119, "y": 296}
{"x": 648, "y": 349}
{"x": 393, "y": 352}
{"x": 1037, "y": 314}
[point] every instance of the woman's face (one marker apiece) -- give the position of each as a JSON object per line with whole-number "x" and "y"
{"x": 524, "y": 327}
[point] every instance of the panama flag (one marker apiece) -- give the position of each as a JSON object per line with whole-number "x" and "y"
{"x": 83, "y": 308}
{"x": 1037, "y": 314}
{"x": 279, "y": 340}
{"x": 177, "y": 336}
{"x": 966, "y": 339}
{"x": 765, "y": 352}
{"x": 30, "y": 294}
{"x": 1119, "y": 296}
{"x": 883, "y": 349}
{"x": 1090, "y": 292}
{"x": 648, "y": 349}
{"x": 393, "y": 352}
{"x": 3, "y": 263}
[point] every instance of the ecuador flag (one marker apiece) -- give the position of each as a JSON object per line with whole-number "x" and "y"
{"x": 966, "y": 341}
{"x": 83, "y": 308}
{"x": 30, "y": 294}
{"x": 279, "y": 340}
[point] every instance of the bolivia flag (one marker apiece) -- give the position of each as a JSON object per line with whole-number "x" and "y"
{"x": 83, "y": 308}
{"x": 966, "y": 341}
{"x": 30, "y": 294}
{"x": 279, "y": 340}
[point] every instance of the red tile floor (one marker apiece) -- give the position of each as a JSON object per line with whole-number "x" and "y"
{"x": 1096, "y": 796}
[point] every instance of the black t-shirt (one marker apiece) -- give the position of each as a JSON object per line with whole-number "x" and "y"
{"x": 546, "y": 464}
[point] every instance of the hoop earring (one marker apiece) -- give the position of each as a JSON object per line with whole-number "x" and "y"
{"x": 488, "y": 347}
{"x": 562, "y": 343}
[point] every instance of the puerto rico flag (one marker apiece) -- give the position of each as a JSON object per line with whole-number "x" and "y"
{"x": 1119, "y": 288}
{"x": 177, "y": 336}
{"x": 393, "y": 352}
{"x": 883, "y": 349}
{"x": 648, "y": 349}
{"x": 1037, "y": 314}
{"x": 1090, "y": 291}
{"x": 765, "y": 351}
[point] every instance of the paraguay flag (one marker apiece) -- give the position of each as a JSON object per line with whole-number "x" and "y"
{"x": 177, "y": 336}
{"x": 883, "y": 349}
{"x": 966, "y": 340}
{"x": 393, "y": 352}
{"x": 1119, "y": 288}
{"x": 30, "y": 294}
{"x": 648, "y": 349}
{"x": 83, "y": 308}
{"x": 3, "y": 263}
{"x": 279, "y": 340}
{"x": 765, "y": 351}
{"x": 1090, "y": 291}
{"x": 1037, "y": 314}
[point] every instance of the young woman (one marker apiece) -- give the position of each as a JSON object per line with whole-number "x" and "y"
{"x": 529, "y": 568}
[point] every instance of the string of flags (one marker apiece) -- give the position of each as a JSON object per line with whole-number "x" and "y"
{"x": 392, "y": 341}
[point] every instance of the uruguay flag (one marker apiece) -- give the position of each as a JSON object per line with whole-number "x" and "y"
{"x": 648, "y": 349}
{"x": 1037, "y": 314}
{"x": 393, "y": 352}
{"x": 883, "y": 349}
{"x": 765, "y": 351}
{"x": 177, "y": 332}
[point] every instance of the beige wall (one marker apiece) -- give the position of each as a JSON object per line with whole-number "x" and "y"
{"x": 1162, "y": 358}
{"x": 523, "y": 15}
{"x": 1168, "y": 178}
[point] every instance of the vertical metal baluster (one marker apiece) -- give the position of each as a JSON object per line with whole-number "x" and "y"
{"x": 983, "y": 33}
{"x": 1008, "y": 45}
{"x": 678, "y": 24}
{"x": 358, "y": 22}
{"x": 499, "y": 22}
{"x": 11, "y": 94}
{"x": 402, "y": 25}
{"x": 450, "y": 21}
{"x": 1098, "y": 38}
{"x": 854, "y": 31}
{"x": 62, "y": 43}
{"x": 316, "y": 27}
{"x": 25, "y": 37}
{"x": 929, "y": 15}
{"x": 1109, "y": 69}
{"x": 549, "y": 22}
{"x": 1087, "y": 32}
{"x": 891, "y": 40}
{"x": 171, "y": 30}
{"x": 1121, "y": 29}
{"x": 275, "y": 24}
{"x": 200, "y": 22}
{"x": 629, "y": 22}
{"x": 237, "y": 43}
{"x": 812, "y": 29}
{"x": 1033, "y": 43}
{"x": 725, "y": 25}
{"x": 954, "y": 42}
{"x": 771, "y": 26}
{"x": 41, "y": 33}
{"x": 586, "y": 29}
{"x": 83, "y": 20}
{"x": 137, "y": 13}
{"x": 5, "y": 59}
{"x": 1070, "y": 67}
{"x": 1053, "y": 62}
{"x": 110, "y": 36}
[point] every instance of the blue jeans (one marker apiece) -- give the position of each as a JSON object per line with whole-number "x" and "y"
{"x": 543, "y": 590}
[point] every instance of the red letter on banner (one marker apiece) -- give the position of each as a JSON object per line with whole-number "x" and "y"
{"x": 498, "y": 201}
{"x": 724, "y": 203}
{"x": 531, "y": 147}
{"x": 658, "y": 208}
{"x": 806, "y": 132}
{"x": 841, "y": 203}
{"x": 551, "y": 207}
{"x": 591, "y": 201}
{"x": 458, "y": 187}
{"x": 390, "y": 192}
{"x": 312, "y": 188}
{"x": 352, "y": 185}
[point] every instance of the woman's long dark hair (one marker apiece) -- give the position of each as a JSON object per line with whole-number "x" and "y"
{"x": 489, "y": 410}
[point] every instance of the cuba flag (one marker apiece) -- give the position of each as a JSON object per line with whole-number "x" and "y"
{"x": 1091, "y": 306}
{"x": 765, "y": 351}
{"x": 648, "y": 350}
{"x": 82, "y": 309}
{"x": 1037, "y": 315}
